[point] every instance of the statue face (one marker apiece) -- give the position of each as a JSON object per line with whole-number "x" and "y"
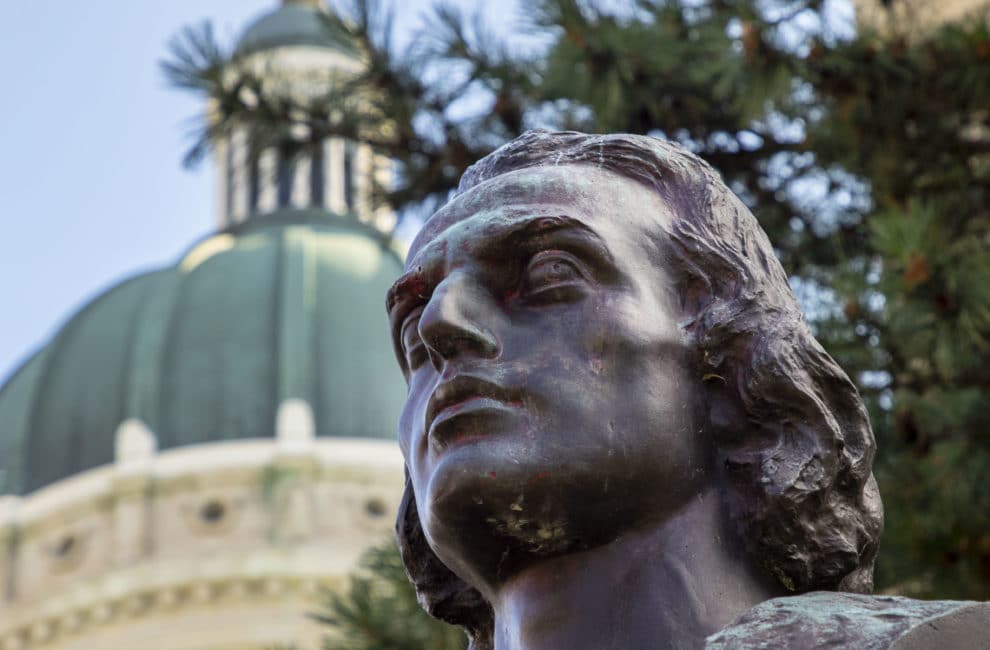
{"x": 553, "y": 403}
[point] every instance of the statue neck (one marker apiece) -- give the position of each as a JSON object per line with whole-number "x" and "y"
{"x": 669, "y": 586}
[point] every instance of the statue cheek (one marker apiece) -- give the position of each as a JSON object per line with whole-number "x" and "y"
{"x": 405, "y": 434}
{"x": 411, "y": 434}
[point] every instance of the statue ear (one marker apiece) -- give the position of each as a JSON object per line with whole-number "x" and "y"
{"x": 727, "y": 422}
{"x": 725, "y": 409}
{"x": 440, "y": 592}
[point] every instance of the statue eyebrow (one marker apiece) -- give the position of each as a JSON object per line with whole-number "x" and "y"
{"x": 535, "y": 230}
{"x": 514, "y": 232}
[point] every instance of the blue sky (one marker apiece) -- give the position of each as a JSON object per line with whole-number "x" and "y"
{"x": 91, "y": 185}
{"x": 91, "y": 138}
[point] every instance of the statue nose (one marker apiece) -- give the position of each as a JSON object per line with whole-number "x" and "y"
{"x": 453, "y": 322}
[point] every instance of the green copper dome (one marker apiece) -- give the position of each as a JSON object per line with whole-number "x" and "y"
{"x": 294, "y": 23}
{"x": 289, "y": 306}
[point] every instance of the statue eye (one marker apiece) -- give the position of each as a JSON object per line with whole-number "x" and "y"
{"x": 554, "y": 275}
{"x": 412, "y": 344}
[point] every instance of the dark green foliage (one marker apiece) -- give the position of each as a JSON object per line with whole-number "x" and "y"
{"x": 866, "y": 159}
{"x": 911, "y": 118}
{"x": 379, "y": 611}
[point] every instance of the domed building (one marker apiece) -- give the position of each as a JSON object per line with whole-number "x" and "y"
{"x": 202, "y": 449}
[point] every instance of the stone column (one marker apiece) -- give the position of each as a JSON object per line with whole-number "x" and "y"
{"x": 333, "y": 160}
{"x": 301, "y": 185}
{"x": 238, "y": 208}
{"x": 222, "y": 179}
{"x": 384, "y": 219}
{"x": 363, "y": 170}
{"x": 268, "y": 180}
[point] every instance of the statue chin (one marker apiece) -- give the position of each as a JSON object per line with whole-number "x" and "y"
{"x": 483, "y": 524}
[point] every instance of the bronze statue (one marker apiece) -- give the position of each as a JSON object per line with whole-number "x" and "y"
{"x": 619, "y": 431}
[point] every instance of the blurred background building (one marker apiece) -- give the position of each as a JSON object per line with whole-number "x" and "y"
{"x": 913, "y": 16}
{"x": 203, "y": 447}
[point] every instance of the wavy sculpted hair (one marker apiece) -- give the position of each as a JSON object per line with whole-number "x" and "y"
{"x": 798, "y": 451}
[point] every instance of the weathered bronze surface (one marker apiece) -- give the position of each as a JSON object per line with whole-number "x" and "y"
{"x": 619, "y": 431}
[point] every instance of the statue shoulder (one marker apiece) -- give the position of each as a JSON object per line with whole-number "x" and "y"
{"x": 842, "y": 620}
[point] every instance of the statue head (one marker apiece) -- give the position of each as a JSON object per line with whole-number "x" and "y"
{"x": 594, "y": 331}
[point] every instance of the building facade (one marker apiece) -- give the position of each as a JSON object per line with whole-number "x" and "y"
{"x": 913, "y": 17}
{"x": 204, "y": 448}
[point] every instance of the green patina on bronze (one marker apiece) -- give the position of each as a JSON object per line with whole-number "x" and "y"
{"x": 843, "y": 620}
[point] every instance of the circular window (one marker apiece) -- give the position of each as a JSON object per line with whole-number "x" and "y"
{"x": 64, "y": 547}
{"x": 213, "y": 512}
{"x": 375, "y": 507}
{"x": 66, "y": 551}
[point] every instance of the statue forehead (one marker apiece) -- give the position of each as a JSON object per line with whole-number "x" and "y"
{"x": 570, "y": 188}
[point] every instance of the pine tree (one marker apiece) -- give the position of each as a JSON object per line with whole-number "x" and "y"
{"x": 379, "y": 610}
{"x": 865, "y": 156}
{"x": 910, "y": 118}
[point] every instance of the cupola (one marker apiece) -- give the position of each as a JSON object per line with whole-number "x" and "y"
{"x": 298, "y": 52}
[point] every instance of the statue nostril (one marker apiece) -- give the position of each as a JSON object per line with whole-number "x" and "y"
{"x": 452, "y": 323}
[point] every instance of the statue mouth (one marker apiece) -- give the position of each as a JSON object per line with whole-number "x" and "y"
{"x": 457, "y": 405}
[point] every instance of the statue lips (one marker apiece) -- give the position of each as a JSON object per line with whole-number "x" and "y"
{"x": 462, "y": 398}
